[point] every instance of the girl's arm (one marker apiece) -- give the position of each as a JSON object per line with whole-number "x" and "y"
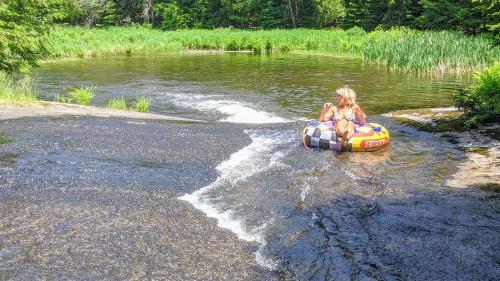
{"x": 359, "y": 114}
{"x": 327, "y": 112}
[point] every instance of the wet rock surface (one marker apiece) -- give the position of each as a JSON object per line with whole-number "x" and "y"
{"x": 85, "y": 198}
{"x": 481, "y": 167}
{"x": 94, "y": 199}
{"x": 430, "y": 236}
{"x": 57, "y": 109}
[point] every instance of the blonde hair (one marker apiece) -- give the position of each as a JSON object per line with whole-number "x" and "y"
{"x": 348, "y": 94}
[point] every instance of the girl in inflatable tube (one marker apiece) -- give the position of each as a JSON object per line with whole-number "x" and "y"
{"x": 345, "y": 116}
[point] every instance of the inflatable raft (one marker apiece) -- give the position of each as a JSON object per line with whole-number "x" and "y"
{"x": 369, "y": 137}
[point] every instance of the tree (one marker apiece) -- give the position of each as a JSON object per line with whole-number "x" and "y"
{"x": 462, "y": 15}
{"x": 134, "y": 11}
{"x": 173, "y": 17}
{"x": 329, "y": 12}
{"x": 491, "y": 10}
{"x": 89, "y": 12}
{"x": 402, "y": 13}
{"x": 148, "y": 11}
{"x": 24, "y": 26}
{"x": 367, "y": 14}
{"x": 270, "y": 14}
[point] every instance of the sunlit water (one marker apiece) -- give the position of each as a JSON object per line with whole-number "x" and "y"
{"x": 311, "y": 215}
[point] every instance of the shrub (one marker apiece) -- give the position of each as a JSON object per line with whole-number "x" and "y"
{"x": 18, "y": 91}
{"x": 82, "y": 95}
{"x": 142, "y": 104}
{"x": 117, "y": 104}
{"x": 481, "y": 100}
{"x": 173, "y": 17}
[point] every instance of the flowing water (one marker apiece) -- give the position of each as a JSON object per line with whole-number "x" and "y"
{"x": 304, "y": 214}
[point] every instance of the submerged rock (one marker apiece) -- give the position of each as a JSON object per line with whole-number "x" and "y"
{"x": 481, "y": 167}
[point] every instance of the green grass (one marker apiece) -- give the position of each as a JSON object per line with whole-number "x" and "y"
{"x": 82, "y": 95}
{"x": 18, "y": 92}
{"x": 117, "y": 104}
{"x": 142, "y": 104}
{"x": 63, "y": 98}
{"x": 402, "y": 49}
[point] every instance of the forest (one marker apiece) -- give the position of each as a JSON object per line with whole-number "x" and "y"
{"x": 469, "y": 16}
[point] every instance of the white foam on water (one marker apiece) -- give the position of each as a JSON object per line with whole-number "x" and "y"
{"x": 263, "y": 260}
{"x": 248, "y": 161}
{"x": 309, "y": 182}
{"x": 305, "y": 192}
{"x": 351, "y": 175}
{"x": 235, "y": 112}
{"x": 275, "y": 161}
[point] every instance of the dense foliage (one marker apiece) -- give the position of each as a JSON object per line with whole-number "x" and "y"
{"x": 481, "y": 100}
{"x": 24, "y": 23}
{"x": 23, "y": 27}
{"x": 470, "y": 16}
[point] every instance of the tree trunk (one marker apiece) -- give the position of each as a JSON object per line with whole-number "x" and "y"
{"x": 296, "y": 9}
{"x": 147, "y": 11}
{"x": 291, "y": 12}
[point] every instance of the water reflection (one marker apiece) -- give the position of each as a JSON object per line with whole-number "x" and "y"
{"x": 297, "y": 84}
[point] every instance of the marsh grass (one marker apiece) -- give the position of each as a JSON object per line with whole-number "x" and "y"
{"x": 430, "y": 51}
{"x": 117, "y": 104}
{"x": 63, "y": 98}
{"x": 402, "y": 49}
{"x": 142, "y": 104}
{"x": 82, "y": 95}
{"x": 18, "y": 92}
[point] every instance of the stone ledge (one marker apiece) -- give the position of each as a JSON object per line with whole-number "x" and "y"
{"x": 56, "y": 109}
{"x": 481, "y": 167}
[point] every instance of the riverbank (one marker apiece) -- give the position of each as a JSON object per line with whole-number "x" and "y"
{"x": 400, "y": 49}
{"x": 56, "y": 109}
{"x": 481, "y": 146}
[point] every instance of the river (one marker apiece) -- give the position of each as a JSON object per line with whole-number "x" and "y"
{"x": 238, "y": 197}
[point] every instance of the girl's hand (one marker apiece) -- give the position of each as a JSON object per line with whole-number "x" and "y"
{"x": 328, "y": 105}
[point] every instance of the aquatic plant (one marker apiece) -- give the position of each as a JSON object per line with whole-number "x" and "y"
{"x": 429, "y": 51}
{"x": 481, "y": 100}
{"x": 62, "y": 98}
{"x": 18, "y": 91}
{"x": 117, "y": 104}
{"x": 142, "y": 104}
{"x": 399, "y": 48}
{"x": 82, "y": 95}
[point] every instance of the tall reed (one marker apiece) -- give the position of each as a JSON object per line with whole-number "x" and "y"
{"x": 82, "y": 95}
{"x": 16, "y": 92}
{"x": 142, "y": 104}
{"x": 430, "y": 51}
{"x": 118, "y": 103}
{"x": 404, "y": 49}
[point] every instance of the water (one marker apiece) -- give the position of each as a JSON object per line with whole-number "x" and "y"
{"x": 305, "y": 214}
{"x": 286, "y": 87}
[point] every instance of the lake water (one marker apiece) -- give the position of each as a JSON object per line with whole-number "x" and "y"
{"x": 308, "y": 214}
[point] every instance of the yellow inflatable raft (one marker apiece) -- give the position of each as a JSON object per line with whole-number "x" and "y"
{"x": 369, "y": 137}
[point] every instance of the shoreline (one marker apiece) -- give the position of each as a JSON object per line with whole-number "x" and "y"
{"x": 57, "y": 109}
{"x": 481, "y": 146}
{"x": 482, "y": 151}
